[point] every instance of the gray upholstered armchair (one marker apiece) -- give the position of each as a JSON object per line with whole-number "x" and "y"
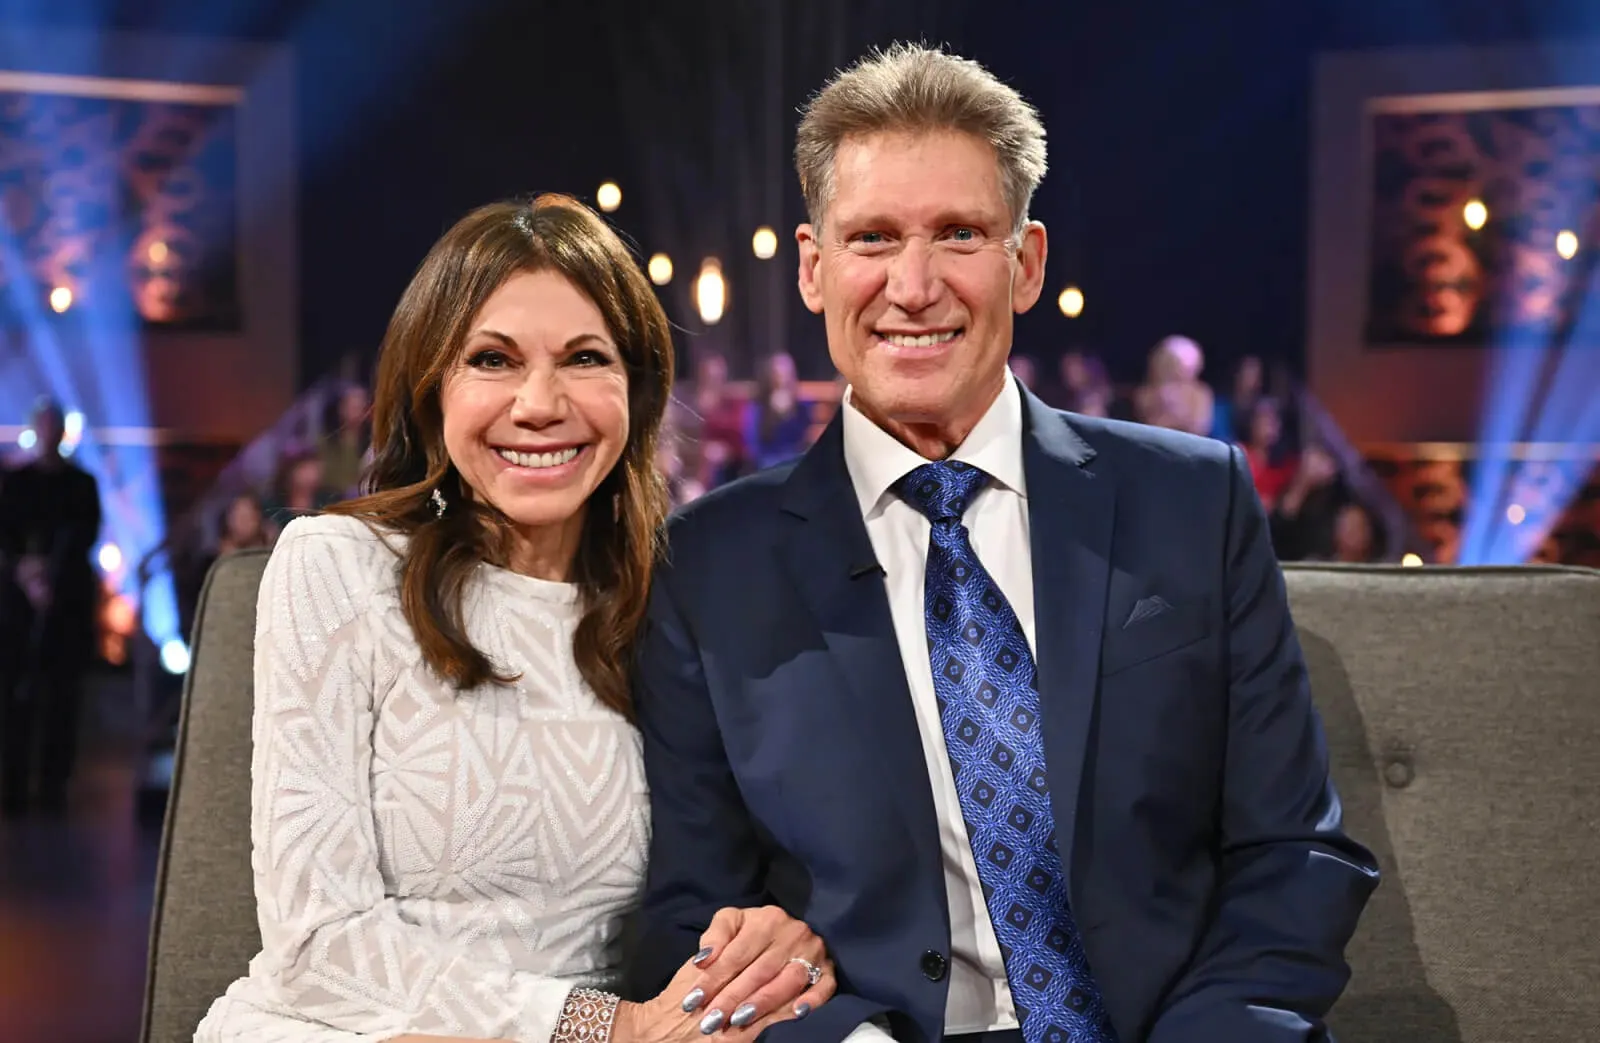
{"x": 1462, "y": 708}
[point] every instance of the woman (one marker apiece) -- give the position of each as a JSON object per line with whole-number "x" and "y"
{"x": 1086, "y": 388}
{"x": 297, "y": 490}
{"x": 344, "y": 452}
{"x": 1356, "y": 535}
{"x": 450, "y": 816}
{"x": 1230, "y": 419}
{"x": 1272, "y": 460}
{"x": 244, "y": 526}
{"x": 1173, "y": 395}
{"x": 777, "y": 426}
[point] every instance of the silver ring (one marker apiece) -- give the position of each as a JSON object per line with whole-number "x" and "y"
{"x": 813, "y": 972}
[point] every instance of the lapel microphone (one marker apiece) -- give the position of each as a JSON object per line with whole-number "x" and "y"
{"x": 857, "y": 571}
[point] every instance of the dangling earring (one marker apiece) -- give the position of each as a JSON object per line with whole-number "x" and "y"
{"x": 437, "y": 499}
{"x": 616, "y": 507}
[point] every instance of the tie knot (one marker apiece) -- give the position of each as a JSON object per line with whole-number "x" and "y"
{"x": 942, "y": 490}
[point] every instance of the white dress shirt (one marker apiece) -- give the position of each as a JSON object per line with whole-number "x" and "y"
{"x": 997, "y": 519}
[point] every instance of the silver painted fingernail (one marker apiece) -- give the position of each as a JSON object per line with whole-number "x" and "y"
{"x": 710, "y": 1023}
{"x": 801, "y": 1010}
{"x": 743, "y": 1016}
{"x": 693, "y": 1000}
{"x": 702, "y": 956}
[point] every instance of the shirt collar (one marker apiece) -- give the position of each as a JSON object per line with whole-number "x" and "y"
{"x": 876, "y": 459}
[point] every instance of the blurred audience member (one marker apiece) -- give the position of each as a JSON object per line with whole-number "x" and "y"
{"x": 1083, "y": 386}
{"x": 678, "y": 458}
{"x": 777, "y": 426}
{"x": 717, "y": 418}
{"x": 1272, "y": 463}
{"x": 344, "y": 451}
{"x": 243, "y": 525}
{"x": 1173, "y": 395}
{"x": 1026, "y": 370}
{"x": 299, "y": 490}
{"x": 49, "y": 599}
{"x": 1305, "y": 515}
{"x": 1356, "y": 535}
{"x": 1232, "y": 413}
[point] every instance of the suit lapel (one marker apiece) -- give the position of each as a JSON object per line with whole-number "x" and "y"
{"x": 831, "y": 561}
{"x": 1071, "y": 510}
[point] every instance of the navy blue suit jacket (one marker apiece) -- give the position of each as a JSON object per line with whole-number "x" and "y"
{"x": 1209, "y": 875}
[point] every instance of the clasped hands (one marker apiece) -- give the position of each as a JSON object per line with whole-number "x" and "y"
{"x": 752, "y": 971}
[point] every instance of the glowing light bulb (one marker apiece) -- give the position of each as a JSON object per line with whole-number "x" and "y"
{"x": 711, "y": 292}
{"x": 1071, "y": 302}
{"x": 175, "y": 657}
{"x": 110, "y": 557}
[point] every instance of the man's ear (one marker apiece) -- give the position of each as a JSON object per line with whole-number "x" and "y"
{"x": 805, "y": 236}
{"x": 1031, "y": 253}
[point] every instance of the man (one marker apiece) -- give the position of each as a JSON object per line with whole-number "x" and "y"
{"x": 49, "y": 595}
{"x": 1006, "y": 703}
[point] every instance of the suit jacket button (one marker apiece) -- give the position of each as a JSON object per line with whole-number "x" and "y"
{"x": 934, "y": 966}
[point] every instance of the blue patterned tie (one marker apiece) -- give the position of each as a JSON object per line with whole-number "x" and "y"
{"x": 983, "y": 674}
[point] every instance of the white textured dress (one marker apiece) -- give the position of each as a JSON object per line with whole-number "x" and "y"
{"x": 426, "y": 860}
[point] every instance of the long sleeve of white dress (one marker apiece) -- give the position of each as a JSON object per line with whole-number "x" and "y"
{"x": 461, "y": 918}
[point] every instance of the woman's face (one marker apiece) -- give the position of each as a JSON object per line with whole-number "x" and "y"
{"x": 305, "y": 477}
{"x": 243, "y": 521}
{"x": 1265, "y": 426}
{"x": 782, "y": 371}
{"x": 353, "y": 407}
{"x": 1353, "y": 534}
{"x": 536, "y": 408}
{"x": 711, "y": 374}
{"x": 1247, "y": 381}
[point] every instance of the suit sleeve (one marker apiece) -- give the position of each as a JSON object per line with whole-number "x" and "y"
{"x": 1292, "y": 885}
{"x": 706, "y": 852}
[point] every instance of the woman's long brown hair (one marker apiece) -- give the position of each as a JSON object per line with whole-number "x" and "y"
{"x": 621, "y": 537}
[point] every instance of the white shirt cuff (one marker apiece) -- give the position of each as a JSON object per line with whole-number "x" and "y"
{"x": 869, "y": 1032}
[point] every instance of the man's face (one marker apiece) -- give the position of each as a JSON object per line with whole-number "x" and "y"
{"x": 917, "y": 272}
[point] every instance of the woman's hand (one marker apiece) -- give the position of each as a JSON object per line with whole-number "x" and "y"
{"x": 756, "y": 961}
{"x": 752, "y": 971}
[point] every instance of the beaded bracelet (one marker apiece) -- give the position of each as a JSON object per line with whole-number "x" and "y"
{"x": 586, "y": 1017}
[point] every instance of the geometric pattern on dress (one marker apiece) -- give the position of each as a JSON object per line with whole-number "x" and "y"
{"x": 425, "y": 860}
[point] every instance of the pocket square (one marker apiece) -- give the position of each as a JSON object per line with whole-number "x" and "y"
{"x": 1146, "y": 608}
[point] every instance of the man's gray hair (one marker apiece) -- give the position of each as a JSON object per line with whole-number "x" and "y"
{"x": 915, "y": 88}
